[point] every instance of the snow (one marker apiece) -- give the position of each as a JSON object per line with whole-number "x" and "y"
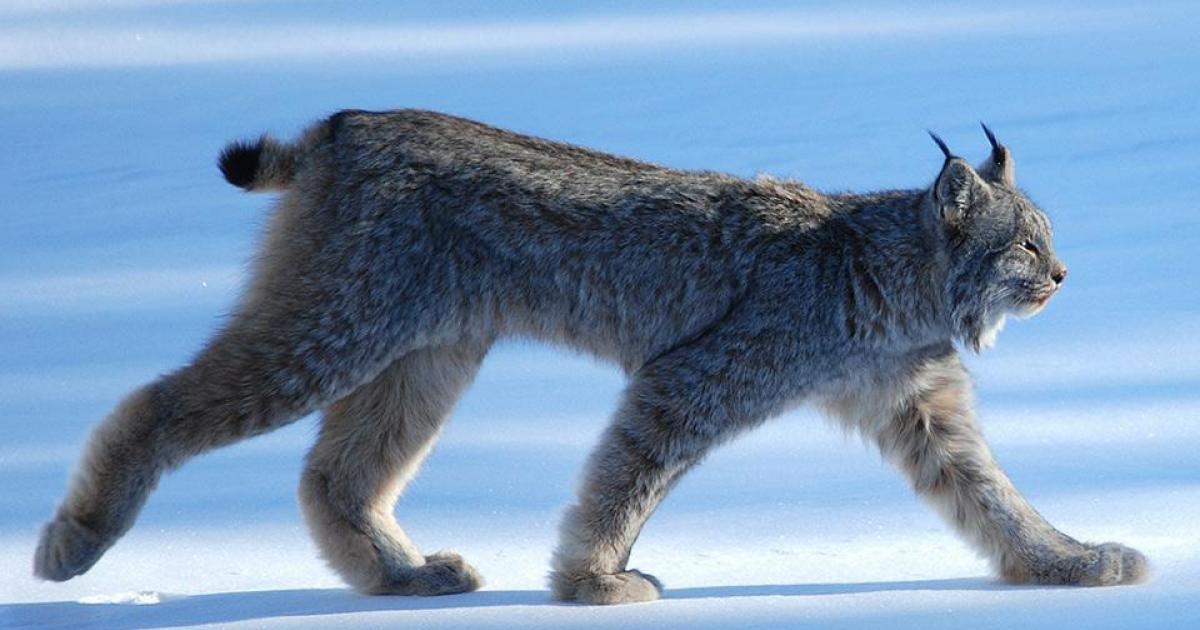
{"x": 122, "y": 250}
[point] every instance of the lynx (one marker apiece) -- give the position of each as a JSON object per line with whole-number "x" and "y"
{"x": 406, "y": 243}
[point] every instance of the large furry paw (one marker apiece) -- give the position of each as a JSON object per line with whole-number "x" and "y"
{"x": 66, "y": 549}
{"x": 443, "y": 573}
{"x": 1111, "y": 563}
{"x": 626, "y": 587}
{"x": 1107, "y": 564}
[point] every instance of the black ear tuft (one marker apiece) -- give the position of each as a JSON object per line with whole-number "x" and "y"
{"x": 941, "y": 145}
{"x": 990, "y": 136}
{"x": 998, "y": 168}
{"x": 239, "y": 162}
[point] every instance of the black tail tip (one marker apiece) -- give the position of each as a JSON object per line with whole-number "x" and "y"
{"x": 239, "y": 162}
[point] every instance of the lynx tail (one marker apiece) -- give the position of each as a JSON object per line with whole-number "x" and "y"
{"x": 265, "y": 164}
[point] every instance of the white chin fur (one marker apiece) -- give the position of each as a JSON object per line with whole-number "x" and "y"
{"x": 1031, "y": 310}
{"x": 987, "y": 338}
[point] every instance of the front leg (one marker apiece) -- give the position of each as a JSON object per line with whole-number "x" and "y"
{"x": 626, "y": 479}
{"x": 676, "y": 409}
{"x": 933, "y": 437}
{"x": 645, "y": 450}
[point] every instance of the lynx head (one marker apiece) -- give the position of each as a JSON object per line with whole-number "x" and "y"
{"x": 998, "y": 245}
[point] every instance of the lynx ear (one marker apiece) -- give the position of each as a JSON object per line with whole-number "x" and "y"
{"x": 956, "y": 189}
{"x": 998, "y": 167}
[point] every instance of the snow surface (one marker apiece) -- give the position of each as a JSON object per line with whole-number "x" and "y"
{"x": 122, "y": 249}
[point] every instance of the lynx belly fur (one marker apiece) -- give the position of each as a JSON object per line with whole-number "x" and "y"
{"x": 406, "y": 243}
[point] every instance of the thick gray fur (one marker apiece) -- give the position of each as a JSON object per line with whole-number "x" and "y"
{"x": 405, "y": 243}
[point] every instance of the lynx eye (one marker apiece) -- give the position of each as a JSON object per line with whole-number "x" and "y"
{"x": 1031, "y": 248}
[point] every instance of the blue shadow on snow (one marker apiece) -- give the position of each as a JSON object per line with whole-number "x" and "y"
{"x": 221, "y": 608}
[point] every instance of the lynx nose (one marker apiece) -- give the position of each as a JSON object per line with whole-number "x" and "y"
{"x": 1059, "y": 274}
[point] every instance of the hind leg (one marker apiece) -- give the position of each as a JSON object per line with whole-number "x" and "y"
{"x": 121, "y": 465}
{"x": 325, "y": 311}
{"x": 371, "y": 444}
{"x": 238, "y": 387}
{"x": 260, "y": 373}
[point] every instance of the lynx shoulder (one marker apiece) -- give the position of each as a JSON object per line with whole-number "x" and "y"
{"x": 405, "y": 243}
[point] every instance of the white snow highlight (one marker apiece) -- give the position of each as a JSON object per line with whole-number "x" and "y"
{"x": 57, "y": 46}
